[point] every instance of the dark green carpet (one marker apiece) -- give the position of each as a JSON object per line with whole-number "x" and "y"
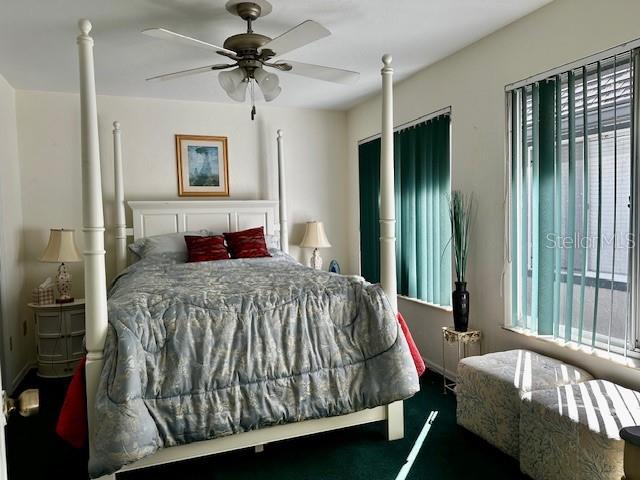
{"x": 358, "y": 453}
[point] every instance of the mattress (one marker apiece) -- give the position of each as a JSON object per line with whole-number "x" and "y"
{"x": 196, "y": 351}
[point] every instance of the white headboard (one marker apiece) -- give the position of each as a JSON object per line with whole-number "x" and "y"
{"x": 218, "y": 216}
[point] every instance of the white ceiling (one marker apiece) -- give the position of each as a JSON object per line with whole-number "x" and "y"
{"x": 38, "y": 51}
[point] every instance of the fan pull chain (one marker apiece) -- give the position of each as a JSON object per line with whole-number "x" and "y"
{"x": 253, "y": 101}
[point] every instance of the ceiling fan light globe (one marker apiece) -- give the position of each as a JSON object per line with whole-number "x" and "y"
{"x": 240, "y": 93}
{"x": 231, "y": 80}
{"x": 268, "y": 81}
{"x": 273, "y": 94}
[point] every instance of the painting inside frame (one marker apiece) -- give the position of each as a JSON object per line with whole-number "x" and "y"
{"x": 202, "y": 165}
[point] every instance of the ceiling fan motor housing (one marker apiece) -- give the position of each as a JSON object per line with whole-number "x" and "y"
{"x": 246, "y": 43}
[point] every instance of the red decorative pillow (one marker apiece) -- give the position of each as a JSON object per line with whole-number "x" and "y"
{"x": 247, "y": 243}
{"x": 204, "y": 249}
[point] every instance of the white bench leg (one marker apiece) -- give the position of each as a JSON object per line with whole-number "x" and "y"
{"x": 259, "y": 448}
{"x": 395, "y": 421}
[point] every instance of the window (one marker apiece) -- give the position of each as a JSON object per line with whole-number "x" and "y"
{"x": 422, "y": 169}
{"x": 571, "y": 240}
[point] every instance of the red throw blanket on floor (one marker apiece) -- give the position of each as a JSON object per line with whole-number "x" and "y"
{"x": 415, "y": 353}
{"x": 72, "y": 421}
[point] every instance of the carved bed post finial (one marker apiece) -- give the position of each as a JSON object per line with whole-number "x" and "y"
{"x": 282, "y": 195}
{"x": 387, "y": 194}
{"x": 118, "y": 175}
{"x": 93, "y": 220}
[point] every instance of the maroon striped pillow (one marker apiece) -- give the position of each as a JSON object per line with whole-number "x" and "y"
{"x": 204, "y": 249}
{"x": 247, "y": 243}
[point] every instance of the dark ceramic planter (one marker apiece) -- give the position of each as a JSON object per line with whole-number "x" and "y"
{"x": 460, "y": 302}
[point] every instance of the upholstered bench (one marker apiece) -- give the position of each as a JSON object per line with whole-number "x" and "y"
{"x": 572, "y": 431}
{"x": 490, "y": 387}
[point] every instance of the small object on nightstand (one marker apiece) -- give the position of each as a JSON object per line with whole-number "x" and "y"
{"x": 60, "y": 249}
{"x": 314, "y": 237}
{"x": 334, "y": 266}
{"x": 463, "y": 340}
{"x": 59, "y": 330}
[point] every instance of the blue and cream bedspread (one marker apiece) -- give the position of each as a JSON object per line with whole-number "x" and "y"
{"x": 202, "y": 350}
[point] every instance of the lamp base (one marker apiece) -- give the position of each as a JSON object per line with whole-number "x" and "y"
{"x": 316, "y": 260}
{"x": 63, "y": 282}
{"x": 65, "y": 300}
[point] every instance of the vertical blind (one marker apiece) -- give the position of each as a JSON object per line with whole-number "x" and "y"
{"x": 570, "y": 198}
{"x": 422, "y": 187}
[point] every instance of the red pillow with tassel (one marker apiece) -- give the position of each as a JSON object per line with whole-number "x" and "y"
{"x": 205, "y": 249}
{"x": 247, "y": 243}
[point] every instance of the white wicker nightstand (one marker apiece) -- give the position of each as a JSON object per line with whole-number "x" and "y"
{"x": 59, "y": 332}
{"x": 462, "y": 339}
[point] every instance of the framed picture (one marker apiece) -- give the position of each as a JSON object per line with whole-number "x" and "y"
{"x": 203, "y": 169}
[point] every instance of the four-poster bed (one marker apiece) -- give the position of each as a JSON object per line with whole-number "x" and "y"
{"x": 153, "y": 218}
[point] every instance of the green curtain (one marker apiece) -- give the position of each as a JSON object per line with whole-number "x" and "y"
{"x": 422, "y": 186}
{"x": 569, "y": 182}
{"x": 369, "y": 174}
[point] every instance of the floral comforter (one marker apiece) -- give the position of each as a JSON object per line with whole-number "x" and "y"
{"x": 202, "y": 350}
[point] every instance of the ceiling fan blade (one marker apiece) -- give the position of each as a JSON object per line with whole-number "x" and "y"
{"x": 299, "y": 36}
{"x": 328, "y": 74}
{"x": 178, "y": 37}
{"x": 191, "y": 71}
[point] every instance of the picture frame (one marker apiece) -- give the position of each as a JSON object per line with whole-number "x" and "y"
{"x": 203, "y": 166}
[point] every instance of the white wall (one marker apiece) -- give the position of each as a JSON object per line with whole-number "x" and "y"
{"x": 49, "y": 139}
{"x": 472, "y": 82}
{"x": 13, "y": 294}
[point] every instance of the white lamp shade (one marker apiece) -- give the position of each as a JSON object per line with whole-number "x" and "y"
{"x": 273, "y": 94}
{"x": 314, "y": 236}
{"x": 232, "y": 83}
{"x": 61, "y": 247}
{"x": 240, "y": 93}
{"x": 267, "y": 81}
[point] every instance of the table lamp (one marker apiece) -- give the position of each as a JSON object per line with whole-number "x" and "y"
{"x": 62, "y": 249}
{"x": 314, "y": 237}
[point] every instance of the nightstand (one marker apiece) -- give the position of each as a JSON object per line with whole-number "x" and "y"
{"x": 59, "y": 332}
{"x": 462, "y": 340}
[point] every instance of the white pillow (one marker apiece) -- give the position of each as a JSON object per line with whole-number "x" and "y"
{"x": 272, "y": 241}
{"x": 159, "y": 244}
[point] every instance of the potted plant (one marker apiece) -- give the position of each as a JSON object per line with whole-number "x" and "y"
{"x": 460, "y": 210}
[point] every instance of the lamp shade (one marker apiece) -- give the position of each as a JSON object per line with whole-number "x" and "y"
{"x": 314, "y": 236}
{"x": 268, "y": 82}
{"x": 61, "y": 248}
{"x": 233, "y": 83}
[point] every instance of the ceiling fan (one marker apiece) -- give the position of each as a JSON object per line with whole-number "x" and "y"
{"x": 252, "y": 53}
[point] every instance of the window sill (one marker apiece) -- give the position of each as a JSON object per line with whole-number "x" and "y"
{"x": 422, "y": 302}
{"x": 632, "y": 359}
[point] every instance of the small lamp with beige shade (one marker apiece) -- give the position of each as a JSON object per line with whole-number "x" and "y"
{"x": 315, "y": 237}
{"x": 62, "y": 249}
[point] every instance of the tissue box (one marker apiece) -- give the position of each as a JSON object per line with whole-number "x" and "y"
{"x": 42, "y": 295}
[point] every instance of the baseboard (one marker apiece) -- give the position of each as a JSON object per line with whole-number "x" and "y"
{"x": 436, "y": 367}
{"x": 20, "y": 376}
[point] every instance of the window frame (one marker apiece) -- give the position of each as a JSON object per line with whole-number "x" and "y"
{"x": 633, "y": 320}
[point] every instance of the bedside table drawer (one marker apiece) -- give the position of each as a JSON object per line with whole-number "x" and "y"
{"x": 49, "y": 323}
{"x": 52, "y": 348}
{"x": 75, "y": 346}
{"x": 74, "y": 322}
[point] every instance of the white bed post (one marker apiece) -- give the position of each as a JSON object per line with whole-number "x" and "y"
{"x": 282, "y": 195}
{"x": 121, "y": 226}
{"x": 395, "y": 414}
{"x": 94, "y": 268}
